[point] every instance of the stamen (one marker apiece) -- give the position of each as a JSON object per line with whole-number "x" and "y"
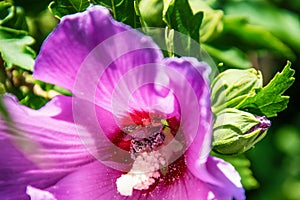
{"x": 143, "y": 173}
{"x": 150, "y": 159}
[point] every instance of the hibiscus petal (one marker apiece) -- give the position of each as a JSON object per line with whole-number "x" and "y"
{"x": 38, "y": 149}
{"x": 145, "y": 88}
{"x": 97, "y": 181}
{"x": 187, "y": 187}
{"x": 99, "y": 133}
{"x": 60, "y": 107}
{"x": 224, "y": 179}
{"x": 189, "y": 81}
{"x": 37, "y": 194}
{"x": 91, "y": 46}
{"x": 93, "y": 181}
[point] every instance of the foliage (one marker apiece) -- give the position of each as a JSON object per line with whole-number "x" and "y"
{"x": 14, "y": 39}
{"x": 269, "y": 99}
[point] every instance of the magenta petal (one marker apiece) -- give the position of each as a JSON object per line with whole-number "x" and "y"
{"x": 225, "y": 180}
{"x": 92, "y": 40}
{"x": 144, "y": 88}
{"x": 96, "y": 181}
{"x": 37, "y": 194}
{"x": 39, "y": 150}
{"x": 187, "y": 187}
{"x": 189, "y": 81}
{"x": 60, "y": 107}
{"x": 93, "y": 181}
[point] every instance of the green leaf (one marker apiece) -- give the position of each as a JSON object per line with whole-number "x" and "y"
{"x": 242, "y": 165}
{"x": 14, "y": 48}
{"x": 33, "y": 101}
{"x": 178, "y": 15}
{"x": 269, "y": 99}
{"x": 108, "y": 3}
{"x": 12, "y": 16}
{"x": 122, "y": 10}
{"x": 60, "y": 8}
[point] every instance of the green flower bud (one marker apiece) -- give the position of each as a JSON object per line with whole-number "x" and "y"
{"x": 237, "y": 131}
{"x": 233, "y": 86}
{"x": 151, "y": 12}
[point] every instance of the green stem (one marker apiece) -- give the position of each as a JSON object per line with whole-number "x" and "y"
{"x": 113, "y": 8}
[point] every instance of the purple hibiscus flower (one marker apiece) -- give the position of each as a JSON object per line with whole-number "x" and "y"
{"x": 138, "y": 126}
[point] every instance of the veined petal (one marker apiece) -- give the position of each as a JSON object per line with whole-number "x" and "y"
{"x": 37, "y": 194}
{"x": 91, "y": 46}
{"x": 189, "y": 81}
{"x": 93, "y": 181}
{"x": 224, "y": 179}
{"x": 187, "y": 187}
{"x": 97, "y": 181}
{"x": 38, "y": 149}
{"x": 144, "y": 88}
{"x": 60, "y": 107}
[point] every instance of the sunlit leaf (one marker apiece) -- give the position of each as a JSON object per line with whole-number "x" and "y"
{"x": 60, "y": 8}
{"x": 178, "y": 15}
{"x": 14, "y": 48}
{"x": 269, "y": 100}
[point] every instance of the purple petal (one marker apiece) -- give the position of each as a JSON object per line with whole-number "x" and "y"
{"x": 60, "y": 107}
{"x": 93, "y": 181}
{"x": 37, "y": 194}
{"x": 38, "y": 149}
{"x": 85, "y": 45}
{"x": 189, "y": 81}
{"x": 98, "y": 135}
{"x": 187, "y": 187}
{"x": 224, "y": 179}
{"x": 145, "y": 88}
{"x": 97, "y": 181}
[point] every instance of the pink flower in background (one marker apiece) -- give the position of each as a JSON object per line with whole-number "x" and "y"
{"x": 138, "y": 126}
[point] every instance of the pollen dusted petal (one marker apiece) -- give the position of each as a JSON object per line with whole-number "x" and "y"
{"x": 143, "y": 174}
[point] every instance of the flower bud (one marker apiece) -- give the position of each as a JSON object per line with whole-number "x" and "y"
{"x": 233, "y": 86}
{"x": 237, "y": 131}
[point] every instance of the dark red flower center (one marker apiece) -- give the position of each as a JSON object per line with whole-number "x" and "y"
{"x": 156, "y": 146}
